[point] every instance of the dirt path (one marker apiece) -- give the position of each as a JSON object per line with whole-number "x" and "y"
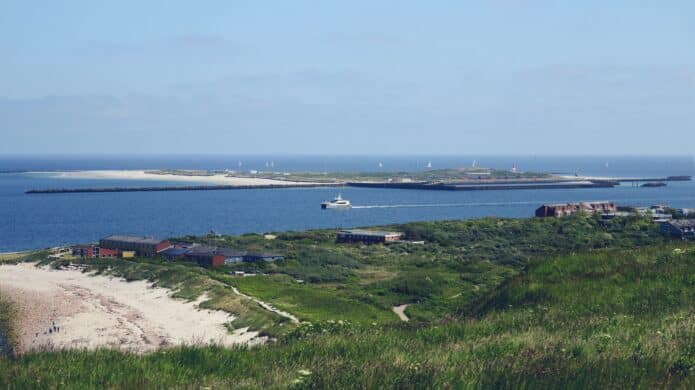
{"x": 400, "y": 312}
{"x": 267, "y": 306}
{"x": 71, "y": 309}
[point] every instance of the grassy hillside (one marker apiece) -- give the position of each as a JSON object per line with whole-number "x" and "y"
{"x": 460, "y": 262}
{"x": 615, "y": 318}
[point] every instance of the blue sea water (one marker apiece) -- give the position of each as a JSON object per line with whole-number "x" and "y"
{"x": 38, "y": 221}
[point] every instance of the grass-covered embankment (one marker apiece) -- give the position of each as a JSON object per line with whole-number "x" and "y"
{"x": 618, "y": 318}
{"x": 460, "y": 263}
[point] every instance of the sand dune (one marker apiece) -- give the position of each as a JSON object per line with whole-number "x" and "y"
{"x": 219, "y": 179}
{"x": 71, "y": 309}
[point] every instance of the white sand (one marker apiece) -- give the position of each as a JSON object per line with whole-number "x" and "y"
{"x": 400, "y": 312}
{"x": 218, "y": 179}
{"x": 100, "y": 311}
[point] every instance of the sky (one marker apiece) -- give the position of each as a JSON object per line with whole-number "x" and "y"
{"x": 350, "y": 77}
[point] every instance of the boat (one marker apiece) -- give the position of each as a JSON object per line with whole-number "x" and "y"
{"x": 337, "y": 203}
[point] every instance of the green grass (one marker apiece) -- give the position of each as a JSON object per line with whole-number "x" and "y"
{"x": 312, "y": 303}
{"x": 7, "y": 335}
{"x": 617, "y": 318}
{"x": 429, "y": 175}
{"x": 26, "y": 256}
{"x": 460, "y": 262}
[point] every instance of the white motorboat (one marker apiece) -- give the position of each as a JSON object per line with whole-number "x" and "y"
{"x": 337, "y": 203}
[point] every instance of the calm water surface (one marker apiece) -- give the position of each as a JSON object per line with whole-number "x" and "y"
{"x": 37, "y": 221}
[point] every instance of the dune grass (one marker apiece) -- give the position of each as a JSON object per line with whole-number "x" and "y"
{"x": 617, "y": 318}
{"x": 460, "y": 262}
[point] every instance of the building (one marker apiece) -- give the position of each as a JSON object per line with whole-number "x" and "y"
{"x": 232, "y": 255}
{"x": 565, "y": 209}
{"x": 682, "y": 228}
{"x": 252, "y": 257}
{"x": 208, "y": 256}
{"x": 142, "y": 246}
{"x": 174, "y": 253}
{"x": 92, "y": 251}
{"x": 205, "y": 256}
{"x": 367, "y": 236}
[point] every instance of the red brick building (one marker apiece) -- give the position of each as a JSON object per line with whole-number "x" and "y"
{"x": 92, "y": 251}
{"x": 142, "y": 246}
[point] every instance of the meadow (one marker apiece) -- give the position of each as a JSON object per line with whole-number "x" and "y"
{"x": 620, "y": 318}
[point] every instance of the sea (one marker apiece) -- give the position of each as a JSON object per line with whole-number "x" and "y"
{"x": 47, "y": 220}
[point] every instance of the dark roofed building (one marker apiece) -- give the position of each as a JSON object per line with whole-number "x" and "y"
{"x": 367, "y": 236}
{"x": 174, "y": 253}
{"x": 232, "y": 255}
{"x": 252, "y": 257}
{"x": 206, "y": 256}
{"x": 143, "y": 246}
{"x": 683, "y": 228}
{"x": 565, "y": 209}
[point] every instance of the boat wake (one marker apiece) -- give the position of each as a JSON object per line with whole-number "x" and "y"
{"x": 472, "y": 204}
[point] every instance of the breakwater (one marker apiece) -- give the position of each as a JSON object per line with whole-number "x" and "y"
{"x": 176, "y": 188}
{"x": 479, "y": 185}
{"x": 490, "y": 186}
{"x": 667, "y": 178}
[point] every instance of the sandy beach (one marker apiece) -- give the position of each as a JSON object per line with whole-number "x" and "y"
{"x": 70, "y": 309}
{"x": 218, "y": 179}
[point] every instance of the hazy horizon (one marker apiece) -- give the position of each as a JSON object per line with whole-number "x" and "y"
{"x": 364, "y": 78}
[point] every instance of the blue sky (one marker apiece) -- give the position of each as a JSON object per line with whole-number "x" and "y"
{"x": 358, "y": 77}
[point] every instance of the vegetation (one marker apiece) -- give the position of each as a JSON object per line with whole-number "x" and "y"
{"x": 332, "y": 177}
{"x": 28, "y": 256}
{"x": 460, "y": 262}
{"x": 6, "y": 330}
{"x": 618, "y": 318}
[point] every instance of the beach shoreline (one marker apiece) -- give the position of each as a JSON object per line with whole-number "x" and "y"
{"x": 69, "y": 309}
{"x": 214, "y": 179}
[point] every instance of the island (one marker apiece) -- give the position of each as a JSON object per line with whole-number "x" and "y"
{"x": 455, "y": 179}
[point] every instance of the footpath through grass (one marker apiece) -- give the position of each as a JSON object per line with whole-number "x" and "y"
{"x": 460, "y": 263}
{"x": 617, "y": 318}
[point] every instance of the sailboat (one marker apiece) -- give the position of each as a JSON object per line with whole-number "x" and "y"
{"x": 429, "y": 164}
